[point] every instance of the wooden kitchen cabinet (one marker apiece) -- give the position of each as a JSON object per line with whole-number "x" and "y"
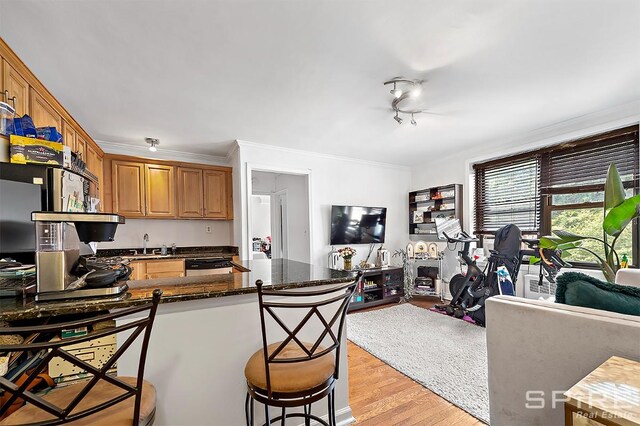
{"x": 95, "y": 166}
{"x": 43, "y": 114}
{"x": 215, "y": 194}
{"x": 171, "y": 189}
{"x": 160, "y": 197}
{"x": 138, "y": 270}
{"x": 190, "y": 192}
{"x": 16, "y": 86}
{"x": 81, "y": 148}
{"x": 151, "y": 269}
{"x": 128, "y": 188}
{"x": 68, "y": 136}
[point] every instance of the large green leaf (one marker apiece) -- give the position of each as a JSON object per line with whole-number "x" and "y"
{"x": 613, "y": 189}
{"x": 567, "y": 246}
{"x": 619, "y": 217}
{"x": 567, "y": 236}
{"x": 550, "y": 242}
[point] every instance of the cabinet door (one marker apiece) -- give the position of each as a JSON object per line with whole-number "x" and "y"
{"x": 42, "y": 113}
{"x": 165, "y": 267}
{"x": 17, "y": 87}
{"x": 69, "y": 136}
{"x": 160, "y": 187}
{"x": 128, "y": 188}
{"x": 81, "y": 147}
{"x": 139, "y": 270}
{"x": 94, "y": 165}
{"x": 215, "y": 194}
{"x": 190, "y": 195}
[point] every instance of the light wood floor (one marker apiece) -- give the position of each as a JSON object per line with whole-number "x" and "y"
{"x": 380, "y": 395}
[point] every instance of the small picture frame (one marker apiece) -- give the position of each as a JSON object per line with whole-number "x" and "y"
{"x": 418, "y": 216}
{"x": 410, "y": 254}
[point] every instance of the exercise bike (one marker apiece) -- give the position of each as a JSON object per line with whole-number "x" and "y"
{"x": 469, "y": 291}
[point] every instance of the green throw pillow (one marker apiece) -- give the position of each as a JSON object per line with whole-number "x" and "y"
{"x": 577, "y": 289}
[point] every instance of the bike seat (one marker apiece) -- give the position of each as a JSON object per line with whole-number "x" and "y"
{"x": 531, "y": 243}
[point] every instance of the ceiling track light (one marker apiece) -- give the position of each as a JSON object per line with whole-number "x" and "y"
{"x": 404, "y": 88}
{"x": 396, "y": 92}
{"x": 153, "y": 143}
{"x": 397, "y": 118}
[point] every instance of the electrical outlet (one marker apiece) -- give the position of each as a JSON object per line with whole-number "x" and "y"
{"x": 208, "y": 229}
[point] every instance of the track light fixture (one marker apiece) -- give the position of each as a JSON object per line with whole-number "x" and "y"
{"x": 404, "y": 88}
{"x": 152, "y": 143}
{"x": 396, "y": 92}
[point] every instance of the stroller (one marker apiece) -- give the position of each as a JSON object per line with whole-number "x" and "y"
{"x": 470, "y": 291}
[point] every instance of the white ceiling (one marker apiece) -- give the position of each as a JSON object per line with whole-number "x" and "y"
{"x": 308, "y": 74}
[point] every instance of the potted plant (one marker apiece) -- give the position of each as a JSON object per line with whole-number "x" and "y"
{"x": 347, "y": 254}
{"x": 618, "y": 212}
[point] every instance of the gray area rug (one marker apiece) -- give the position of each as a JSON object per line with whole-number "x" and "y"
{"x": 444, "y": 354}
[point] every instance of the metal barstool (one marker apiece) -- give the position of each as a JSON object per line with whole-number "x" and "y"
{"x": 292, "y": 372}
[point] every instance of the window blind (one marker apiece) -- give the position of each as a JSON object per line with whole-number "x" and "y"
{"x": 512, "y": 189}
{"x": 508, "y": 192}
{"x": 586, "y": 165}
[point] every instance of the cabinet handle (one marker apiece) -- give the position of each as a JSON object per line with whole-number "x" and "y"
{"x": 13, "y": 99}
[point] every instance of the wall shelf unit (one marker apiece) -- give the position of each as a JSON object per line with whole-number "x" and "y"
{"x": 425, "y": 205}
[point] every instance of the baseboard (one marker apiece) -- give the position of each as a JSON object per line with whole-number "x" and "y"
{"x": 344, "y": 417}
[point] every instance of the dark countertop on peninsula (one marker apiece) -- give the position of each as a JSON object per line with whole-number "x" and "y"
{"x": 277, "y": 273}
{"x": 227, "y": 252}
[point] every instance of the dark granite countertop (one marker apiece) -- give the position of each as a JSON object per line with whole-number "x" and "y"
{"x": 226, "y": 252}
{"x": 277, "y": 273}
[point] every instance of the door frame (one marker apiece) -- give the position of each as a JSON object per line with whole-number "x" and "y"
{"x": 251, "y": 167}
{"x": 283, "y": 243}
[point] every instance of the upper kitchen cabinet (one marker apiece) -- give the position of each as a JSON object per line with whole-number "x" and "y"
{"x": 95, "y": 166}
{"x": 43, "y": 114}
{"x": 81, "y": 147}
{"x": 160, "y": 187}
{"x": 170, "y": 190}
{"x": 15, "y": 88}
{"x": 216, "y": 195}
{"x": 69, "y": 135}
{"x": 190, "y": 192}
{"x": 128, "y": 188}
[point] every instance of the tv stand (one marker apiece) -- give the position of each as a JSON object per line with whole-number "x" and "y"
{"x": 378, "y": 286}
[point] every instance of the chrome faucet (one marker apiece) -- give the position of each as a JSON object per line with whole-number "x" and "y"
{"x": 145, "y": 240}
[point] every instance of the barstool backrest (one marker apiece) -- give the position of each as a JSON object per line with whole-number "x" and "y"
{"x": 48, "y": 350}
{"x": 336, "y": 302}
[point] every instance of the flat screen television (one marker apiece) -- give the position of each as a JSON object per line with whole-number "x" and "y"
{"x": 357, "y": 225}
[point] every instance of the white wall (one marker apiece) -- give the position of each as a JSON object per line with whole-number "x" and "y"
{"x": 184, "y": 233}
{"x": 334, "y": 180}
{"x": 298, "y": 225}
{"x": 260, "y": 216}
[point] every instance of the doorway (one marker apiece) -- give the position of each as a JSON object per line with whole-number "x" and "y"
{"x": 279, "y": 224}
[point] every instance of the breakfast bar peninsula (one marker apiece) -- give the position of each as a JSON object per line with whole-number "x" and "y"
{"x": 205, "y": 330}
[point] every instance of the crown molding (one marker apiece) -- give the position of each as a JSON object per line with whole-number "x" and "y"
{"x": 574, "y": 128}
{"x": 247, "y": 144}
{"x": 161, "y": 154}
{"x": 234, "y": 148}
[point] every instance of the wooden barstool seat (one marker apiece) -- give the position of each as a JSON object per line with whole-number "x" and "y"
{"x": 101, "y": 399}
{"x": 119, "y": 414}
{"x": 292, "y": 372}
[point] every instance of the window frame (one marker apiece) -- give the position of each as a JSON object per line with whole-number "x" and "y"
{"x": 545, "y": 194}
